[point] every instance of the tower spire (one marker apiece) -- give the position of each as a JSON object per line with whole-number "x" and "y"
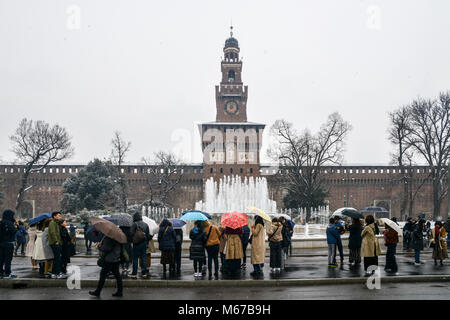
{"x": 231, "y": 29}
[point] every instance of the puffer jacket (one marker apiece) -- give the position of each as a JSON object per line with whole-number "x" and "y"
{"x": 166, "y": 239}
{"x": 275, "y": 229}
{"x": 110, "y": 250}
{"x": 197, "y": 248}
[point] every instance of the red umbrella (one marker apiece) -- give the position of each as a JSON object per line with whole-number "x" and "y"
{"x": 234, "y": 220}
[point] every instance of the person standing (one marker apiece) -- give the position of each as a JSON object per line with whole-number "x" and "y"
{"x": 416, "y": 242}
{"x": 258, "y": 247}
{"x": 222, "y": 244}
{"x": 166, "y": 240}
{"x": 244, "y": 240}
{"x": 178, "y": 249}
{"x": 407, "y": 231}
{"x": 354, "y": 241}
{"x": 286, "y": 234}
{"x": 437, "y": 239}
{"x": 341, "y": 231}
{"x": 8, "y": 230}
{"x": 197, "y": 248}
{"x": 332, "y": 238}
{"x": 55, "y": 242}
{"x": 87, "y": 242}
{"x": 73, "y": 234}
{"x": 140, "y": 233}
{"x": 233, "y": 249}
{"x": 390, "y": 241}
{"x": 21, "y": 238}
{"x": 43, "y": 253}
{"x": 67, "y": 249}
{"x": 30, "y": 245}
{"x": 212, "y": 248}
{"x": 275, "y": 239}
{"x": 110, "y": 255}
{"x": 370, "y": 248}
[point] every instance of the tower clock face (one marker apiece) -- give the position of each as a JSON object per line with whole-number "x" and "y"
{"x": 231, "y": 107}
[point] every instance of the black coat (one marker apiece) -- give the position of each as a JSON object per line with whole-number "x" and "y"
{"x": 166, "y": 241}
{"x": 245, "y": 236}
{"x": 110, "y": 250}
{"x": 67, "y": 248}
{"x": 416, "y": 241}
{"x": 7, "y": 228}
{"x": 355, "y": 239}
{"x": 197, "y": 249}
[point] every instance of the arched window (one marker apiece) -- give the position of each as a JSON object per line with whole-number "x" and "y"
{"x": 231, "y": 76}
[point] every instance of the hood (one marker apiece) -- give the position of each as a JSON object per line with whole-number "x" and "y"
{"x": 137, "y": 217}
{"x": 8, "y": 215}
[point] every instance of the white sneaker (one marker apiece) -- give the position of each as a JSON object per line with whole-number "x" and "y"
{"x": 54, "y": 276}
{"x": 417, "y": 263}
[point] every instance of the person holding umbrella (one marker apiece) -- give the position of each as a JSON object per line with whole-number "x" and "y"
{"x": 110, "y": 249}
{"x": 233, "y": 223}
{"x": 370, "y": 248}
{"x": 354, "y": 241}
{"x": 166, "y": 240}
{"x": 390, "y": 241}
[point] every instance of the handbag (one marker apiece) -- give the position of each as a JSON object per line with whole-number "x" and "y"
{"x": 101, "y": 262}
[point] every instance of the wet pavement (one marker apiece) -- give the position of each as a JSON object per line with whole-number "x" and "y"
{"x": 312, "y": 266}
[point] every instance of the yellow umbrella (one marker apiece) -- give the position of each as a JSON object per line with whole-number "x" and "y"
{"x": 260, "y": 213}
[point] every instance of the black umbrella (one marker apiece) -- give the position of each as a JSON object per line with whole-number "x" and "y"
{"x": 123, "y": 219}
{"x": 349, "y": 212}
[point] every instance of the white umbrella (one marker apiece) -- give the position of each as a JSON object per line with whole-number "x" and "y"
{"x": 152, "y": 225}
{"x": 393, "y": 225}
{"x": 277, "y": 215}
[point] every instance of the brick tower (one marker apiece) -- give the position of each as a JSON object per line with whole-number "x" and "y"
{"x": 231, "y": 145}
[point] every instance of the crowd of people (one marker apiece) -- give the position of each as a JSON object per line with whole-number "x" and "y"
{"x": 51, "y": 244}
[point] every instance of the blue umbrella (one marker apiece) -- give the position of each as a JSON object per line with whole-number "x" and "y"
{"x": 291, "y": 222}
{"x": 193, "y": 216}
{"x": 195, "y": 211}
{"x": 177, "y": 223}
{"x": 39, "y": 218}
{"x": 94, "y": 235}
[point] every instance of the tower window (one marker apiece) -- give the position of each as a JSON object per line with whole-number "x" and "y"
{"x": 231, "y": 76}
{"x": 251, "y": 170}
{"x": 231, "y": 170}
{"x": 241, "y": 170}
{"x": 211, "y": 170}
{"x": 221, "y": 170}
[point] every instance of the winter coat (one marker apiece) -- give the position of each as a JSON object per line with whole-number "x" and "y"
{"x": 166, "y": 239}
{"x": 286, "y": 234}
{"x": 390, "y": 236}
{"x": 369, "y": 246}
{"x": 110, "y": 250}
{"x": 21, "y": 235}
{"x": 54, "y": 232}
{"x": 332, "y": 234}
{"x": 416, "y": 241}
{"x": 31, "y": 241}
{"x": 442, "y": 235}
{"x": 258, "y": 244}
{"x": 233, "y": 248}
{"x": 137, "y": 218}
{"x": 355, "y": 239}
{"x": 245, "y": 236}
{"x": 68, "y": 248}
{"x": 42, "y": 250}
{"x": 214, "y": 236}
{"x": 7, "y": 228}
{"x": 274, "y": 232}
{"x": 197, "y": 248}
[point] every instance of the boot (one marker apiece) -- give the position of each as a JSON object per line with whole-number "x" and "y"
{"x": 95, "y": 293}
{"x": 117, "y": 294}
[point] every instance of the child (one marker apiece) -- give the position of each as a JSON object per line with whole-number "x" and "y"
{"x": 197, "y": 249}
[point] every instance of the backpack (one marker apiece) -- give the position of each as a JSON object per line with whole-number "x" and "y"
{"x": 139, "y": 235}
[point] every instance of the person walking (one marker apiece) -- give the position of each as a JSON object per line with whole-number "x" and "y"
{"x": 233, "y": 250}
{"x": 212, "y": 248}
{"x": 166, "y": 240}
{"x": 332, "y": 238}
{"x": 275, "y": 238}
{"x": 197, "y": 248}
{"x": 244, "y": 240}
{"x": 437, "y": 239}
{"x": 390, "y": 241}
{"x": 55, "y": 242}
{"x": 21, "y": 238}
{"x": 178, "y": 250}
{"x": 370, "y": 248}
{"x": 416, "y": 242}
{"x": 258, "y": 247}
{"x": 8, "y": 230}
{"x": 67, "y": 249}
{"x": 140, "y": 234}
{"x": 354, "y": 242}
{"x": 110, "y": 251}
{"x": 30, "y": 245}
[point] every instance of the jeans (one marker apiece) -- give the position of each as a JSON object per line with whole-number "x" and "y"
{"x": 213, "y": 254}
{"x": 88, "y": 244}
{"x": 290, "y": 247}
{"x": 200, "y": 265}
{"x": 139, "y": 251}
{"x": 6, "y": 255}
{"x": 18, "y": 245}
{"x": 57, "y": 250}
{"x": 110, "y": 267}
{"x": 332, "y": 253}
{"x": 341, "y": 250}
{"x": 417, "y": 255}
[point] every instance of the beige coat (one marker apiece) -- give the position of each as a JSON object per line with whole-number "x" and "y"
{"x": 275, "y": 228}
{"x": 233, "y": 247}
{"x": 42, "y": 250}
{"x": 258, "y": 245}
{"x": 31, "y": 240}
{"x": 442, "y": 235}
{"x": 369, "y": 241}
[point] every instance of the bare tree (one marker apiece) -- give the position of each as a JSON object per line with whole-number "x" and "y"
{"x": 119, "y": 151}
{"x": 36, "y": 145}
{"x": 166, "y": 172}
{"x": 429, "y": 135}
{"x": 304, "y": 155}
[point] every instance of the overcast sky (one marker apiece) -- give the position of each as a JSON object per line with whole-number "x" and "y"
{"x": 148, "y": 68}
